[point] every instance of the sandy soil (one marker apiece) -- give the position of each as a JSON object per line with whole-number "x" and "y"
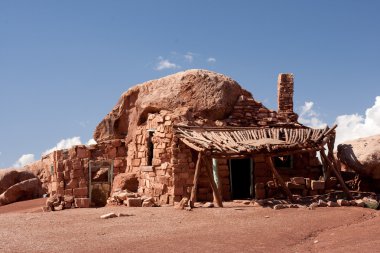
{"x": 165, "y": 229}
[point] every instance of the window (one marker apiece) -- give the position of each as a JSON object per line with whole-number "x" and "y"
{"x": 150, "y": 147}
{"x": 283, "y": 162}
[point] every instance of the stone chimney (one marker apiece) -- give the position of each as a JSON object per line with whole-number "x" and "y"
{"x": 285, "y": 90}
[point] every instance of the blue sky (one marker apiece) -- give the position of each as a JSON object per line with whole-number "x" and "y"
{"x": 64, "y": 64}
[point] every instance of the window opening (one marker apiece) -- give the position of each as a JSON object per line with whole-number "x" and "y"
{"x": 283, "y": 162}
{"x": 150, "y": 147}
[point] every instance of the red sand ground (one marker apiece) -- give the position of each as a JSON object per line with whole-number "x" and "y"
{"x": 165, "y": 229}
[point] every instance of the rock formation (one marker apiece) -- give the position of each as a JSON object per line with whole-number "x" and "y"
{"x": 191, "y": 94}
{"x": 362, "y": 156}
{"x": 10, "y": 177}
{"x": 24, "y": 190}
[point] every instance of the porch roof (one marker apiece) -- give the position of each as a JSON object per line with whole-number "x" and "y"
{"x": 245, "y": 141}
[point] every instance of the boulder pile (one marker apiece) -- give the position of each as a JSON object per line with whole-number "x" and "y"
{"x": 130, "y": 199}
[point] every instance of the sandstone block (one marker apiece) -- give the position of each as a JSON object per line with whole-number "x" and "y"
{"x": 69, "y": 192}
{"x": 317, "y": 185}
{"x": 82, "y": 202}
{"x": 298, "y": 180}
{"x": 73, "y": 183}
{"x": 80, "y": 192}
{"x": 343, "y": 202}
{"x": 332, "y": 204}
{"x": 134, "y": 202}
{"x": 82, "y": 152}
{"x": 294, "y": 186}
{"x": 118, "y": 163}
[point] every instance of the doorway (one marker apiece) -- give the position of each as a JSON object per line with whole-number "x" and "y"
{"x": 241, "y": 178}
{"x": 100, "y": 182}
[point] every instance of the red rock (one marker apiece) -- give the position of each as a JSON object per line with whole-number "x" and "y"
{"x": 317, "y": 185}
{"x": 125, "y": 181}
{"x": 82, "y": 202}
{"x": 27, "y": 189}
{"x": 80, "y": 192}
{"x": 134, "y": 202}
{"x": 181, "y": 92}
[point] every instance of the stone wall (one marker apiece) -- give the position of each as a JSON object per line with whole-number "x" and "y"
{"x": 155, "y": 180}
{"x": 70, "y": 174}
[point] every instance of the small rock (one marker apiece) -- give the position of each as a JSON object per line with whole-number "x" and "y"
{"x": 293, "y": 206}
{"x": 343, "y": 202}
{"x": 371, "y": 203}
{"x": 147, "y": 204}
{"x": 322, "y": 203}
{"x": 279, "y": 206}
{"x": 266, "y": 216}
{"x": 247, "y": 202}
{"x": 359, "y": 203}
{"x": 313, "y": 206}
{"x": 208, "y": 205}
{"x": 122, "y": 215}
{"x": 332, "y": 204}
{"x": 108, "y": 216}
{"x": 316, "y": 241}
{"x": 58, "y": 208}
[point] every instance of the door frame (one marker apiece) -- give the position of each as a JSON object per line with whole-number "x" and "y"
{"x": 251, "y": 170}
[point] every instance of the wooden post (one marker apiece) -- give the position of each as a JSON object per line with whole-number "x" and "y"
{"x": 215, "y": 191}
{"x": 193, "y": 196}
{"x": 337, "y": 174}
{"x": 279, "y": 178}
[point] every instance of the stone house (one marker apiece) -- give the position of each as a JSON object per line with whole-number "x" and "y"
{"x": 198, "y": 134}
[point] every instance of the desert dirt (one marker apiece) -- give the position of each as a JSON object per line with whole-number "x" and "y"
{"x": 235, "y": 228}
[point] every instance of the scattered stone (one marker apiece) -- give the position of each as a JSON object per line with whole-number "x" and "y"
{"x": 343, "y": 202}
{"x": 371, "y": 203}
{"x": 123, "y": 215}
{"x": 317, "y": 185}
{"x": 298, "y": 180}
{"x": 247, "y": 202}
{"x": 279, "y": 206}
{"x": 133, "y": 202}
{"x": 208, "y": 205}
{"x": 266, "y": 216}
{"x": 332, "y": 204}
{"x": 322, "y": 203}
{"x": 359, "y": 203}
{"x": 313, "y": 206}
{"x": 108, "y": 216}
{"x": 293, "y": 206}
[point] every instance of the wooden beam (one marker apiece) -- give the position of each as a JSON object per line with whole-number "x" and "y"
{"x": 337, "y": 174}
{"x": 215, "y": 191}
{"x": 193, "y": 196}
{"x": 278, "y": 177}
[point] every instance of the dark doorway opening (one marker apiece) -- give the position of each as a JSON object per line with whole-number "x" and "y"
{"x": 241, "y": 178}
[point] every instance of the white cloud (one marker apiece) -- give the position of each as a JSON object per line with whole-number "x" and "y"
{"x": 189, "y": 57}
{"x": 64, "y": 144}
{"x": 91, "y": 142}
{"x": 309, "y": 117}
{"x": 24, "y": 160}
{"x": 165, "y": 64}
{"x": 355, "y": 126}
{"x": 211, "y": 60}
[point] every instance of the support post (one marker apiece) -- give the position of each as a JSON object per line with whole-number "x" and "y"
{"x": 215, "y": 172}
{"x": 330, "y": 166}
{"x": 217, "y": 197}
{"x": 193, "y": 196}
{"x": 279, "y": 178}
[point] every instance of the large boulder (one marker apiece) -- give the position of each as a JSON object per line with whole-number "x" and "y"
{"x": 10, "y": 177}
{"x": 362, "y": 156}
{"x": 27, "y": 189}
{"x": 189, "y": 94}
